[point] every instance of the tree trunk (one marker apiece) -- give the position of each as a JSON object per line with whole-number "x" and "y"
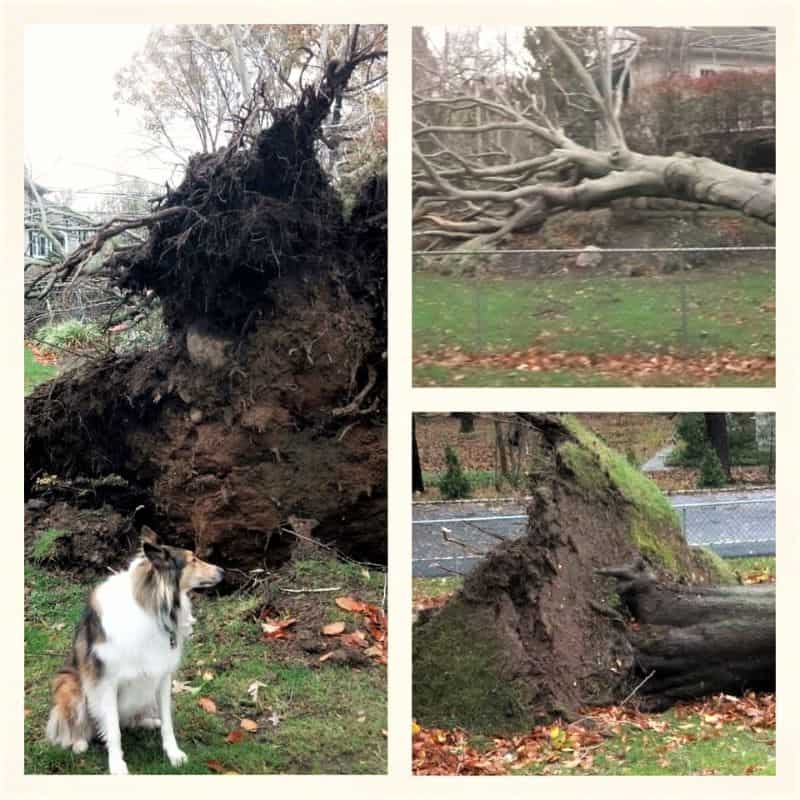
{"x": 695, "y": 640}
{"x": 717, "y": 432}
{"x": 417, "y": 483}
{"x": 501, "y": 467}
{"x": 466, "y": 421}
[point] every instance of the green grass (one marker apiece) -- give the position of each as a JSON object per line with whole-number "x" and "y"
{"x": 69, "y": 333}
{"x": 330, "y": 718}
{"x": 45, "y": 546}
{"x": 36, "y": 373}
{"x": 711, "y": 751}
{"x": 437, "y": 375}
{"x": 597, "y": 315}
{"x": 433, "y": 587}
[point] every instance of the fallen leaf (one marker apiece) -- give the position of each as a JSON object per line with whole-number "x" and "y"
{"x": 235, "y": 736}
{"x": 276, "y": 629}
{"x": 179, "y": 687}
{"x": 334, "y": 628}
{"x": 208, "y": 676}
{"x": 326, "y": 656}
{"x": 208, "y": 705}
{"x": 249, "y": 725}
{"x": 351, "y": 604}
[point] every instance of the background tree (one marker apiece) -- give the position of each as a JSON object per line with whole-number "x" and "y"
{"x": 191, "y": 81}
{"x": 717, "y": 432}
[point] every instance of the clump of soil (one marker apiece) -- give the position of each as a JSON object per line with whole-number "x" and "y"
{"x": 535, "y": 631}
{"x": 269, "y": 398}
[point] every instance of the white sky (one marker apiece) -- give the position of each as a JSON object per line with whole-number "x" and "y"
{"x": 76, "y": 135}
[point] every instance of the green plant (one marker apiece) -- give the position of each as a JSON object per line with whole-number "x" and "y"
{"x": 45, "y": 547}
{"x": 711, "y": 472}
{"x": 691, "y": 431}
{"x": 67, "y": 334}
{"x": 454, "y": 484}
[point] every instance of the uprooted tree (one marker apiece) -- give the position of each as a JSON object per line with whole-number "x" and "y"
{"x": 600, "y": 601}
{"x": 494, "y": 155}
{"x": 265, "y": 409}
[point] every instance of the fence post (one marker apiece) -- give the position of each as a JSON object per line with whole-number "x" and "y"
{"x": 683, "y": 521}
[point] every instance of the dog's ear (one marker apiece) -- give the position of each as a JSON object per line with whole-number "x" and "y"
{"x": 152, "y": 547}
{"x": 149, "y": 536}
{"x": 155, "y": 553}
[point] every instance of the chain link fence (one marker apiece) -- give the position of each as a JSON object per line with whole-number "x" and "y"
{"x": 644, "y": 300}
{"x": 453, "y": 545}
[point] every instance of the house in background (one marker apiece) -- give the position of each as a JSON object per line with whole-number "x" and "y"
{"x": 699, "y": 52}
{"x": 68, "y": 226}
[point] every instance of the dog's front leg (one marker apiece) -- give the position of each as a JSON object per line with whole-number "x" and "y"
{"x": 102, "y": 700}
{"x": 175, "y": 755}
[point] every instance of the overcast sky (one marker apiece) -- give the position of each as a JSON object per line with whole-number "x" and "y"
{"x": 76, "y": 135}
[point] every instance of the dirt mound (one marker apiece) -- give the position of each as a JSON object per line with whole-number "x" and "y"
{"x": 269, "y": 399}
{"x": 535, "y": 631}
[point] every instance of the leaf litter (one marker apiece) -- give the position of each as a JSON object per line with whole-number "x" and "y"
{"x": 573, "y": 745}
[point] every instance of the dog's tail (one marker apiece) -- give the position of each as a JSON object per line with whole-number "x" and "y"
{"x": 69, "y": 724}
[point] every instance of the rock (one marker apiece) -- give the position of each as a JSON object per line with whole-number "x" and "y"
{"x": 206, "y": 349}
{"x": 591, "y": 257}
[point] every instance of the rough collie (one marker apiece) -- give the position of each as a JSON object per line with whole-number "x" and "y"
{"x": 126, "y": 648}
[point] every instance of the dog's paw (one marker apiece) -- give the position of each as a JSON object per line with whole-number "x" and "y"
{"x": 150, "y": 723}
{"x": 80, "y": 746}
{"x": 176, "y": 757}
{"x": 117, "y": 766}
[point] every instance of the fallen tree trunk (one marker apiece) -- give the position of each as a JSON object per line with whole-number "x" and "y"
{"x": 695, "y": 640}
{"x": 542, "y": 626}
{"x": 265, "y": 411}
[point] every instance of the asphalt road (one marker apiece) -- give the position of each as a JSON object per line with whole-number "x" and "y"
{"x": 736, "y": 526}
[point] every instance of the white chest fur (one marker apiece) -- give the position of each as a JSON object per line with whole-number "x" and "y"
{"x": 136, "y": 645}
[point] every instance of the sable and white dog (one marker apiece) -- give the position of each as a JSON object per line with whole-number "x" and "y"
{"x": 126, "y": 648}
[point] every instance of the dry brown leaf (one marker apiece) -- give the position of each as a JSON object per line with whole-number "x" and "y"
{"x": 249, "y": 725}
{"x": 208, "y": 705}
{"x": 235, "y": 736}
{"x": 334, "y": 628}
{"x": 351, "y": 604}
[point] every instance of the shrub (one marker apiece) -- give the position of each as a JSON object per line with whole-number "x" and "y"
{"x": 711, "y": 472}
{"x": 454, "y": 484}
{"x": 68, "y": 334}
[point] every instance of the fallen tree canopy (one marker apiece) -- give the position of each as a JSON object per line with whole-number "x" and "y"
{"x": 494, "y": 157}
{"x": 547, "y": 623}
{"x": 268, "y": 402}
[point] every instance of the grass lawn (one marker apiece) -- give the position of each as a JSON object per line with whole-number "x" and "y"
{"x": 436, "y": 375}
{"x": 312, "y": 717}
{"x": 594, "y": 317}
{"x": 36, "y": 373}
{"x": 687, "y": 746}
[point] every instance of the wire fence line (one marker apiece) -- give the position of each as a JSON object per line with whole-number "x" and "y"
{"x": 677, "y": 282}
{"x": 453, "y": 545}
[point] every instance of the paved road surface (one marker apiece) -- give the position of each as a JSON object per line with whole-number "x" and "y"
{"x": 736, "y": 528}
